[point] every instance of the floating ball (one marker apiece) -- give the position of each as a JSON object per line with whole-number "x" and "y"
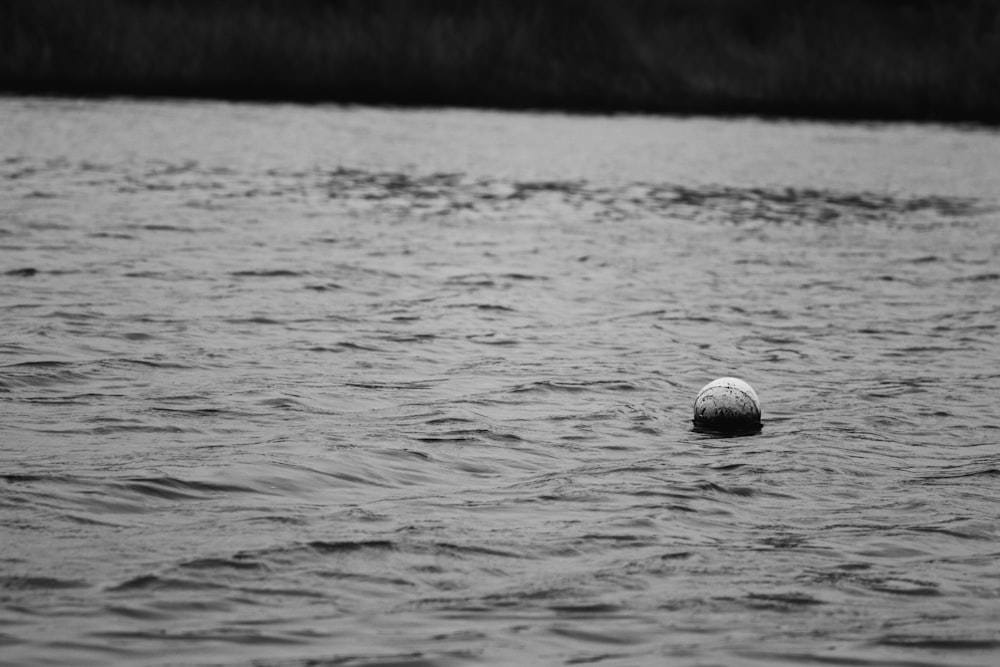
{"x": 727, "y": 405}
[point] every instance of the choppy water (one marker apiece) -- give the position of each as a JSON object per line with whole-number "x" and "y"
{"x": 326, "y": 386}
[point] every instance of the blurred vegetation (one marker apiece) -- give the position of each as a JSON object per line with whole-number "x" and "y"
{"x": 889, "y": 59}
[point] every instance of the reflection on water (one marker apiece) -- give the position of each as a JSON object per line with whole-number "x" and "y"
{"x": 308, "y": 386}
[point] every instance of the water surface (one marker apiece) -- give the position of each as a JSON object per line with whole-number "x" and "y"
{"x": 323, "y": 385}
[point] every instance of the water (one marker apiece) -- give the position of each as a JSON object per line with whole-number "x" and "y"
{"x": 293, "y": 385}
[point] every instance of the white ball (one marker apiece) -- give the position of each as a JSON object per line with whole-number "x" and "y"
{"x": 727, "y": 404}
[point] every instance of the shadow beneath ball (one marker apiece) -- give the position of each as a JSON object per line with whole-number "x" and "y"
{"x": 728, "y": 428}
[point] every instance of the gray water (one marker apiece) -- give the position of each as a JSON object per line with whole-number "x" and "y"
{"x": 291, "y": 385}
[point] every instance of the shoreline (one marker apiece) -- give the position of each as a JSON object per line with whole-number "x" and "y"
{"x": 892, "y": 61}
{"x": 715, "y": 114}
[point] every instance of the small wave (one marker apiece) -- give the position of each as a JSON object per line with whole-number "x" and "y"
{"x": 74, "y": 316}
{"x": 156, "y": 362}
{"x": 522, "y": 276}
{"x": 960, "y": 474}
{"x": 153, "y": 582}
{"x": 598, "y": 608}
{"x": 465, "y": 550}
{"x": 742, "y": 491}
{"x": 108, "y": 426}
{"x": 792, "y": 601}
{"x": 610, "y": 637}
{"x": 988, "y": 533}
{"x": 241, "y": 636}
{"x": 620, "y": 540}
{"x": 454, "y": 437}
{"x": 345, "y": 346}
{"x": 490, "y": 280}
{"x": 234, "y": 563}
{"x": 259, "y": 319}
{"x": 171, "y": 488}
{"x": 861, "y": 575}
{"x": 112, "y": 235}
{"x": 547, "y": 386}
{"x": 446, "y": 193}
{"x": 485, "y": 306}
{"x": 167, "y": 228}
{"x": 472, "y": 280}
{"x": 286, "y": 403}
{"x": 29, "y": 583}
{"x": 41, "y": 363}
{"x": 415, "y": 384}
{"x": 44, "y": 373}
{"x": 979, "y": 278}
{"x": 159, "y": 275}
{"x": 570, "y": 386}
{"x": 450, "y": 420}
{"x": 266, "y": 273}
{"x": 136, "y": 335}
{"x": 493, "y": 339}
{"x": 349, "y": 546}
{"x": 408, "y": 338}
{"x": 137, "y": 612}
{"x": 938, "y": 643}
{"x": 17, "y": 478}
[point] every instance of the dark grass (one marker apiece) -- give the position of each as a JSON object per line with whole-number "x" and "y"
{"x": 874, "y": 59}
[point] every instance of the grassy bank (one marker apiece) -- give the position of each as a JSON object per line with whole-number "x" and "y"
{"x": 890, "y": 59}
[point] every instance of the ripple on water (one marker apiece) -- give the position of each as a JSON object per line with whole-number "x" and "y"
{"x": 297, "y": 414}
